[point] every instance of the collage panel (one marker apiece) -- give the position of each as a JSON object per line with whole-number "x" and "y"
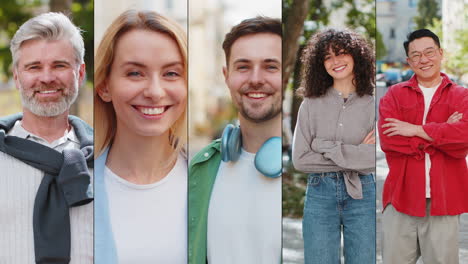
{"x": 422, "y": 177}
{"x": 235, "y": 132}
{"x": 329, "y": 209}
{"x": 141, "y": 132}
{"x": 135, "y": 131}
{"x": 46, "y": 134}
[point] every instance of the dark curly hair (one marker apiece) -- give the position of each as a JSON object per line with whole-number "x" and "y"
{"x": 315, "y": 81}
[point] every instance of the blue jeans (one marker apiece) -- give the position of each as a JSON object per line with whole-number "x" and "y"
{"x": 329, "y": 210}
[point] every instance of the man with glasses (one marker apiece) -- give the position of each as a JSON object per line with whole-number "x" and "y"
{"x": 423, "y": 130}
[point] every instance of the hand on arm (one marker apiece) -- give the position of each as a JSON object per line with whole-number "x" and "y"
{"x": 370, "y": 138}
{"x": 348, "y": 156}
{"x": 455, "y": 117}
{"x": 450, "y": 137}
{"x": 398, "y": 127}
{"x": 304, "y": 158}
{"x": 397, "y": 145}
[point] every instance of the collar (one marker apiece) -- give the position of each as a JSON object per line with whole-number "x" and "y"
{"x": 413, "y": 82}
{"x": 19, "y": 131}
{"x": 83, "y": 132}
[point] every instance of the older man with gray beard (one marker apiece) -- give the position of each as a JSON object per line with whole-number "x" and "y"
{"x": 46, "y": 154}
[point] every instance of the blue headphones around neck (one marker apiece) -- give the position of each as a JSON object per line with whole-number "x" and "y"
{"x": 267, "y": 159}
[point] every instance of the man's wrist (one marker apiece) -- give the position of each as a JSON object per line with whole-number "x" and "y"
{"x": 422, "y": 134}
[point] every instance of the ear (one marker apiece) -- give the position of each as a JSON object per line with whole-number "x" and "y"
{"x": 81, "y": 73}
{"x": 441, "y": 52}
{"x": 225, "y": 73}
{"x": 15, "y": 78}
{"x": 409, "y": 62}
{"x": 103, "y": 92}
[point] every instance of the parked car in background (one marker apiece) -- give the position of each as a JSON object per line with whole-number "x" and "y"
{"x": 393, "y": 76}
{"x": 406, "y": 75}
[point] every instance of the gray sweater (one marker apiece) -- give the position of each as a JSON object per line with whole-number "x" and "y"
{"x": 329, "y": 134}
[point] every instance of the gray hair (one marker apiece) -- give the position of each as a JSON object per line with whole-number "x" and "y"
{"x": 48, "y": 26}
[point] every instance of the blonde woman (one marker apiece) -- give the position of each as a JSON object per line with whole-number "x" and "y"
{"x": 141, "y": 169}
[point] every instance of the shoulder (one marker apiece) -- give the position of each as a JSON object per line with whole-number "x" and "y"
{"x": 458, "y": 90}
{"x": 84, "y": 132}
{"x": 7, "y": 122}
{"x": 209, "y": 152}
{"x": 100, "y": 163}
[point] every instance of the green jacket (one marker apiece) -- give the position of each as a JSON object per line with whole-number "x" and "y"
{"x": 202, "y": 174}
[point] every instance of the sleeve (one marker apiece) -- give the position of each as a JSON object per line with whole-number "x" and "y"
{"x": 303, "y": 157}
{"x": 353, "y": 157}
{"x": 452, "y": 139}
{"x": 397, "y": 145}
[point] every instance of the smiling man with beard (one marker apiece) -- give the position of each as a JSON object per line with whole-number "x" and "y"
{"x": 234, "y": 197}
{"x": 46, "y": 154}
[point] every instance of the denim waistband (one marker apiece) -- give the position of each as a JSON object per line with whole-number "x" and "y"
{"x": 333, "y": 174}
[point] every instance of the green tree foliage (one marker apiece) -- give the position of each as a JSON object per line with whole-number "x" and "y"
{"x": 380, "y": 50}
{"x": 427, "y": 11}
{"x": 455, "y": 59}
{"x": 83, "y": 15}
{"x": 14, "y": 13}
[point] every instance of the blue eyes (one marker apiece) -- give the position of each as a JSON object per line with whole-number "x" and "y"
{"x": 268, "y": 67}
{"x": 133, "y": 74}
{"x": 172, "y": 74}
{"x": 138, "y": 74}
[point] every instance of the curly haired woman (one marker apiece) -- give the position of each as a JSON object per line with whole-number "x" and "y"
{"x": 334, "y": 142}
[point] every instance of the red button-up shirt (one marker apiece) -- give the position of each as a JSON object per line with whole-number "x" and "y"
{"x": 405, "y": 186}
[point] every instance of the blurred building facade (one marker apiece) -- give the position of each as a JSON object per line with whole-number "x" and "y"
{"x": 395, "y": 19}
{"x": 206, "y": 58}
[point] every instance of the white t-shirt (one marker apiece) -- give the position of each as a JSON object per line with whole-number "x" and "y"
{"x": 428, "y": 94}
{"x": 149, "y": 222}
{"x": 244, "y": 217}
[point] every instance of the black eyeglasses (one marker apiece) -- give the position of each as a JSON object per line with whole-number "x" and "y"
{"x": 416, "y": 56}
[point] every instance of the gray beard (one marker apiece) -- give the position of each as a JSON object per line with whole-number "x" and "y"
{"x": 49, "y": 109}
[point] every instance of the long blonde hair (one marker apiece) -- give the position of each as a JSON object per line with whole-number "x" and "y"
{"x": 104, "y": 112}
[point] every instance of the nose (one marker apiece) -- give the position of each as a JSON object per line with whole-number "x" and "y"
{"x": 257, "y": 77}
{"x": 423, "y": 59}
{"x": 335, "y": 59}
{"x": 154, "y": 89}
{"x": 47, "y": 76}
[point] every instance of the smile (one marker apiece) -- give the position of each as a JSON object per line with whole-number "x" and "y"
{"x": 257, "y": 95}
{"x": 426, "y": 68}
{"x": 47, "y": 92}
{"x": 339, "y": 69}
{"x": 151, "y": 110}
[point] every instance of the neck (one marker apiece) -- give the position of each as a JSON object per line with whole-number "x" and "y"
{"x": 345, "y": 86}
{"x": 429, "y": 82}
{"x": 48, "y": 128}
{"x": 255, "y": 134}
{"x": 141, "y": 160}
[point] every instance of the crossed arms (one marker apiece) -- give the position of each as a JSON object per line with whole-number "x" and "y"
{"x": 402, "y": 138}
{"x": 313, "y": 154}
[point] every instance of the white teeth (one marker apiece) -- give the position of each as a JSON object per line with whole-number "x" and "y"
{"x": 257, "y": 95}
{"x": 339, "y": 68}
{"x": 425, "y": 68}
{"x": 47, "y": 92}
{"x": 152, "y": 111}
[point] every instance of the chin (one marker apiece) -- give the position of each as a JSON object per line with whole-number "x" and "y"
{"x": 152, "y": 132}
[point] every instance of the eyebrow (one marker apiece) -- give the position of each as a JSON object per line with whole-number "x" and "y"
{"x": 139, "y": 64}
{"x": 415, "y": 51}
{"x": 31, "y": 63}
{"x": 54, "y": 62}
{"x": 265, "y": 60}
